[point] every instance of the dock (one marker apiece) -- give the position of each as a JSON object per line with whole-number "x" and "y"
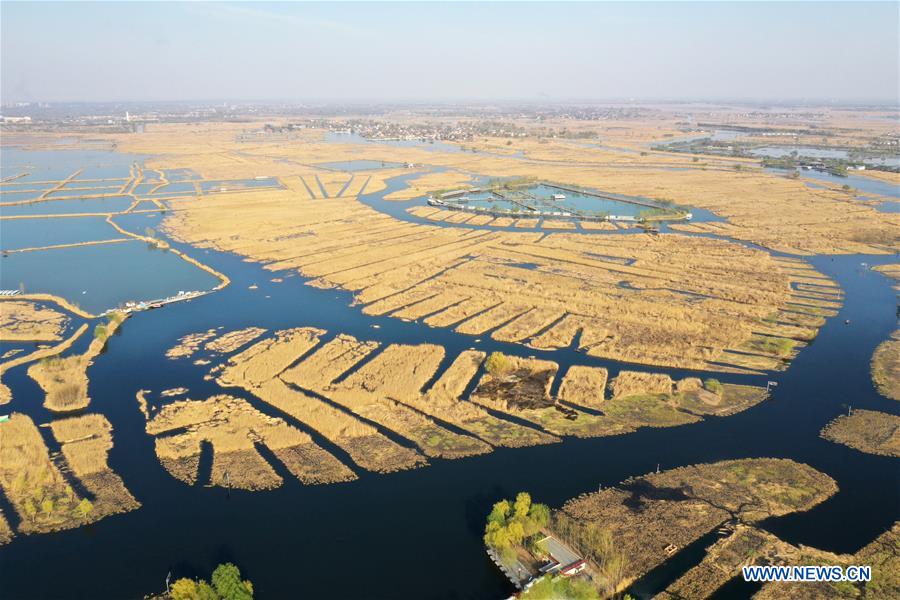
{"x": 181, "y": 296}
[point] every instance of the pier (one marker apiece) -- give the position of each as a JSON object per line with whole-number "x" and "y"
{"x": 181, "y": 296}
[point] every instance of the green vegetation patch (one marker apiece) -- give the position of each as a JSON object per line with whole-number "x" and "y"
{"x": 226, "y": 585}
{"x": 651, "y": 410}
{"x": 549, "y": 587}
{"x": 511, "y": 523}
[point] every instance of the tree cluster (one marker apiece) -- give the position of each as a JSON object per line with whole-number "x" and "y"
{"x": 226, "y": 585}
{"x": 597, "y": 544}
{"x": 511, "y": 523}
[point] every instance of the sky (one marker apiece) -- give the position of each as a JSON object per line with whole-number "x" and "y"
{"x": 430, "y": 51}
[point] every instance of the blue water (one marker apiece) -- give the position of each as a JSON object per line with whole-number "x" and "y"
{"x": 359, "y": 165}
{"x": 101, "y": 277}
{"x": 858, "y": 182}
{"x": 354, "y": 138}
{"x": 18, "y": 186}
{"x": 68, "y": 192}
{"x": 804, "y": 151}
{"x": 808, "y": 152}
{"x": 32, "y": 233}
{"x": 238, "y": 184}
{"x": 719, "y": 135}
{"x": 109, "y": 204}
{"x": 95, "y": 185}
{"x": 540, "y": 197}
{"x": 54, "y": 165}
{"x": 181, "y": 174}
{"x": 398, "y": 210}
{"x": 18, "y": 196}
{"x": 144, "y": 188}
{"x": 176, "y": 188}
{"x": 890, "y": 192}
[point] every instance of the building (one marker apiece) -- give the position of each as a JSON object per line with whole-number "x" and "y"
{"x": 562, "y": 559}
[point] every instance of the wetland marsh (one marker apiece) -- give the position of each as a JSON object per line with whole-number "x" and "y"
{"x": 342, "y": 384}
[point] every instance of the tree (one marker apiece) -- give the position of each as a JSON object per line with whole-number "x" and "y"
{"x": 609, "y": 556}
{"x": 47, "y": 506}
{"x": 713, "y": 385}
{"x": 30, "y": 510}
{"x": 522, "y": 505}
{"x": 206, "y": 592}
{"x": 539, "y": 515}
{"x": 184, "y": 589}
{"x": 516, "y": 532}
{"x": 84, "y": 508}
{"x": 497, "y": 364}
{"x": 227, "y": 581}
{"x": 499, "y": 512}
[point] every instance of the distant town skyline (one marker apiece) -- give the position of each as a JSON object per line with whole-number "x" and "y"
{"x": 454, "y": 52}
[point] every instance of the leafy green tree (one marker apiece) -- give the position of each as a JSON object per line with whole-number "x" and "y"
{"x": 227, "y": 581}
{"x": 522, "y": 505}
{"x": 499, "y": 512}
{"x": 539, "y": 515}
{"x": 206, "y": 592}
{"x": 47, "y": 506}
{"x": 516, "y": 532}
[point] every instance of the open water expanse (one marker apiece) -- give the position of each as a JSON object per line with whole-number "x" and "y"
{"x": 414, "y": 534}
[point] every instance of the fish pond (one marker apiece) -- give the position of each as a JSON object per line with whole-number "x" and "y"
{"x": 546, "y": 199}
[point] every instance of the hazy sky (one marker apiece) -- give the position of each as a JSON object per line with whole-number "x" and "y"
{"x": 436, "y": 51}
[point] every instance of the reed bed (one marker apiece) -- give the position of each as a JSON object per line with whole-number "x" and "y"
{"x": 869, "y": 431}
{"x": 86, "y": 441}
{"x": 647, "y": 514}
{"x": 23, "y": 321}
{"x": 234, "y": 428}
{"x": 673, "y": 300}
{"x": 64, "y": 380}
{"x": 886, "y": 367}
